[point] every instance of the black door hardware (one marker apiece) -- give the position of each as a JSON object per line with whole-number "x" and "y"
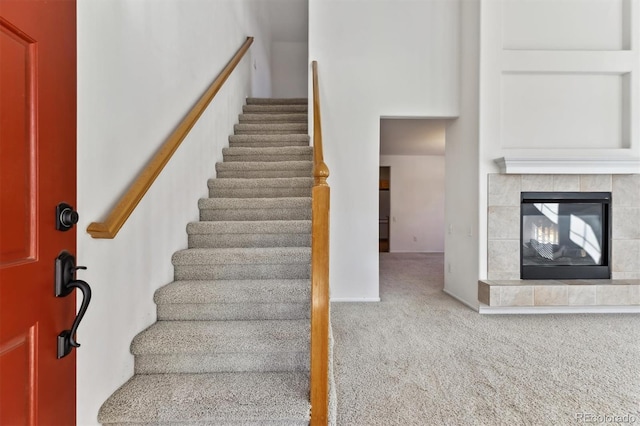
{"x": 66, "y": 217}
{"x": 65, "y": 283}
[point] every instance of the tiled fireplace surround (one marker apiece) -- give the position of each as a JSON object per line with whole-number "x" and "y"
{"x": 503, "y": 288}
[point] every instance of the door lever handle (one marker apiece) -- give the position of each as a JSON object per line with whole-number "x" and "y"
{"x": 86, "y": 298}
{"x": 65, "y": 284}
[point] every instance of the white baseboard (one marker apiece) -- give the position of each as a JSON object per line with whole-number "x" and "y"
{"x": 493, "y": 310}
{"x": 473, "y": 306}
{"x": 355, "y": 299}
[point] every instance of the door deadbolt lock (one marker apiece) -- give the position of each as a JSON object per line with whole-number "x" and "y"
{"x": 66, "y": 217}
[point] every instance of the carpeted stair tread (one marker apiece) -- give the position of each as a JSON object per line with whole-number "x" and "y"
{"x": 273, "y": 118}
{"x": 267, "y": 169}
{"x": 260, "y": 187}
{"x": 288, "y": 153}
{"x": 210, "y": 399}
{"x": 270, "y": 140}
{"x": 267, "y": 128}
{"x": 265, "y": 233}
{"x": 250, "y": 227}
{"x": 270, "y": 109}
{"x": 244, "y": 183}
{"x": 255, "y": 203}
{"x": 230, "y": 240}
{"x": 222, "y": 300}
{"x": 242, "y": 263}
{"x": 269, "y": 150}
{"x": 261, "y": 255}
{"x": 234, "y": 291}
{"x": 241, "y": 209}
{"x": 202, "y": 337}
{"x": 277, "y": 101}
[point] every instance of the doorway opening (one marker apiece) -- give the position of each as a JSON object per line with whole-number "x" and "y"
{"x": 411, "y": 208}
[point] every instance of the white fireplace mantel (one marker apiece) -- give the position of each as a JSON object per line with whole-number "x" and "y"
{"x": 514, "y": 165}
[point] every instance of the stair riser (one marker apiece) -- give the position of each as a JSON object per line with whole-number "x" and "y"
{"x": 274, "y": 109}
{"x": 270, "y": 131}
{"x": 277, "y": 101}
{"x": 272, "y": 118}
{"x": 261, "y": 174}
{"x": 233, "y": 311}
{"x": 254, "y": 170}
{"x": 266, "y": 144}
{"x": 243, "y": 271}
{"x": 270, "y": 138}
{"x": 259, "y": 192}
{"x": 255, "y": 214}
{"x": 221, "y": 363}
{"x": 258, "y": 128}
{"x": 220, "y": 240}
{"x": 268, "y": 157}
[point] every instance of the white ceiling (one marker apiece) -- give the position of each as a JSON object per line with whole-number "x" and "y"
{"x": 289, "y": 20}
{"x": 412, "y": 136}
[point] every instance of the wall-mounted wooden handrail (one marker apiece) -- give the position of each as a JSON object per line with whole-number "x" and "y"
{"x": 128, "y": 202}
{"x": 319, "y": 376}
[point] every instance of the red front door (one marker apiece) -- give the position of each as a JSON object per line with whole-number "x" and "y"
{"x": 37, "y": 171}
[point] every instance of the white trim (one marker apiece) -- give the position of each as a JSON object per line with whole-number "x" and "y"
{"x": 355, "y": 299}
{"x": 511, "y": 165}
{"x": 485, "y": 309}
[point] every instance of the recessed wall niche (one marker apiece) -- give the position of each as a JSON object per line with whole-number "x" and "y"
{"x": 556, "y": 110}
{"x": 566, "y": 25}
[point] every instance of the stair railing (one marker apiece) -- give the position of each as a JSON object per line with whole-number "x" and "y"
{"x": 319, "y": 376}
{"x": 131, "y": 198}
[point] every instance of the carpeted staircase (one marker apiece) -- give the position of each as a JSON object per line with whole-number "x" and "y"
{"x": 231, "y": 344}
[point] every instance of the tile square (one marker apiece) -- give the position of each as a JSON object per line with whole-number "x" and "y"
{"x": 566, "y": 183}
{"x": 484, "y": 293}
{"x": 625, "y": 223}
{"x": 608, "y": 295}
{"x": 582, "y": 295}
{"x": 595, "y": 183}
{"x": 504, "y": 223}
{"x": 537, "y": 183}
{"x": 634, "y": 294}
{"x": 516, "y": 296}
{"x": 504, "y": 190}
{"x": 625, "y": 256}
{"x": 550, "y": 295}
{"x": 626, "y": 191}
{"x": 503, "y": 256}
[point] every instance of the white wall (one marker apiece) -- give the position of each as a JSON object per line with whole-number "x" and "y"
{"x": 289, "y": 69}
{"x": 417, "y": 202}
{"x": 141, "y": 65}
{"x": 559, "y": 80}
{"x": 376, "y": 58}
{"x": 461, "y": 155}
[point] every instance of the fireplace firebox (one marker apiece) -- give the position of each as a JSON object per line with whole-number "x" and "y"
{"x": 565, "y": 235}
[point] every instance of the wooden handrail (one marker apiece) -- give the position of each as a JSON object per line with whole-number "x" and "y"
{"x": 319, "y": 376}
{"x": 128, "y": 202}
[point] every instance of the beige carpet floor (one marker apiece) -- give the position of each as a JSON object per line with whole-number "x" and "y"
{"x": 419, "y": 357}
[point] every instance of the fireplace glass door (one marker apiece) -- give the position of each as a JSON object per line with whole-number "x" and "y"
{"x": 565, "y": 235}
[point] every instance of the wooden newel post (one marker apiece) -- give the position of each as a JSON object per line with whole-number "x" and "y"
{"x": 319, "y": 376}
